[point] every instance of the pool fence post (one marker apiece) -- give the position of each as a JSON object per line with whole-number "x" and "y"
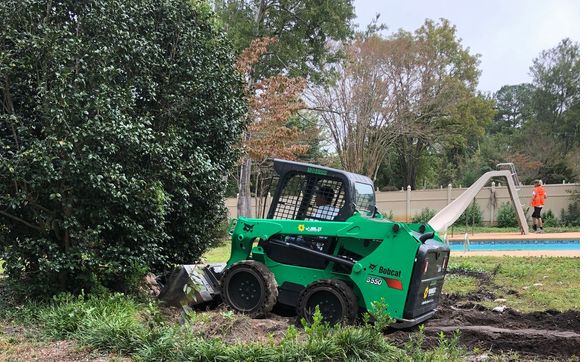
{"x": 492, "y": 203}
{"x": 408, "y": 203}
{"x": 449, "y": 194}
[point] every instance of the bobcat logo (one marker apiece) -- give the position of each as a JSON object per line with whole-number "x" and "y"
{"x": 248, "y": 228}
{"x": 372, "y": 266}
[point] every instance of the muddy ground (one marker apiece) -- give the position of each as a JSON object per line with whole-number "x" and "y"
{"x": 535, "y": 336}
{"x": 546, "y": 335}
{"x": 541, "y": 335}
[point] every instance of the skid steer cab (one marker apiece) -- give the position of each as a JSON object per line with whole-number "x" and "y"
{"x": 323, "y": 245}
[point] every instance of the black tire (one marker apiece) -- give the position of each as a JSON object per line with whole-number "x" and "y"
{"x": 336, "y": 300}
{"x": 249, "y": 287}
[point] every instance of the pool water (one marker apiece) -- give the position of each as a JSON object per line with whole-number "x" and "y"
{"x": 499, "y": 245}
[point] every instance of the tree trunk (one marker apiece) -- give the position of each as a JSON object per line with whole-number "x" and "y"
{"x": 409, "y": 160}
{"x": 244, "y": 190}
{"x": 243, "y": 206}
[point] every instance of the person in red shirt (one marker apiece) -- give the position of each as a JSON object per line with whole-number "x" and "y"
{"x": 538, "y": 197}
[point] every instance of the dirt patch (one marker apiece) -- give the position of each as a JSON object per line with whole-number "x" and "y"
{"x": 16, "y": 346}
{"x": 537, "y": 335}
{"x": 259, "y": 330}
{"x": 544, "y": 335}
{"x": 236, "y": 328}
{"x": 549, "y": 333}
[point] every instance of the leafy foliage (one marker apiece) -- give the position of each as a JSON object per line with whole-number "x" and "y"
{"x": 572, "y": 215}
{"x": 448, "y": 349}
{"x": 272, "y": 102}
{"x": 303, "y": 30}
{"x": 514, "y": 107}
{"x": 471, "y": 216}
{"x": 439, "y": 103}
{"x": 359, "y": 108}
{"x": 556, "y": 100}
{"x": 506, "y": 215}
{"x": 293, "y": 38}
{"x": 116, "y": 134}
{"x": 549, "y": 220}
{"x": 535, "y": 126}
{"x": 539, "y": 122}
{"x": 424, "y": 216}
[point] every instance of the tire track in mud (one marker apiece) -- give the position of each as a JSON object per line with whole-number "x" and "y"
{"x": 547, "y": 334}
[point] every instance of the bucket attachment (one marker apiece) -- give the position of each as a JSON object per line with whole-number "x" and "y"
{"x": 192, "y": 285}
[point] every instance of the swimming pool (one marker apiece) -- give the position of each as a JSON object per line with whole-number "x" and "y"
{"x": 499, "y": 245}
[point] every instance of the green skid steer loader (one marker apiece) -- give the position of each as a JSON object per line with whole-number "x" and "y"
{"x": 322, "y": 244}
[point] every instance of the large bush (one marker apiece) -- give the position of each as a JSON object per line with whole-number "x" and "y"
{"x": 116, "y": 131}
{"x": 506, "y": 215}
{"x": 424, "y": 216}
{"x": 549, "y": 220}
{"x": 471, "y": 216}
{"x": 572, "y": 215}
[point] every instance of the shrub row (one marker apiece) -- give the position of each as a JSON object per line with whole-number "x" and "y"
{"x": 506, "y": 216}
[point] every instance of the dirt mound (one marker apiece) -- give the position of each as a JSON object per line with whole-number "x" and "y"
{"x": 18, "y": 344}
{"x": 237, "y": 328}
{"x": 258, "y": 330}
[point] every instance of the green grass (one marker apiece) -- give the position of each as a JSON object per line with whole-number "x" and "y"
{"x": 460, "y": 284}
{"x": 119, "y": 324}
{"x": 1, "y": 266}
{"x": 527, "y": 283}
{"x": 219, "y": 254}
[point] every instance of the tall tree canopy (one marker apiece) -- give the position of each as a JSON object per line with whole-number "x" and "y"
{"x": 412, "y": 93}
{"x": 359, "y": 108}
{"x": 556, "y": 99}
{"x": 538, "y": 123}
{"x": 303, "y": 29}
{"x": 513, "y": 107}
{"x": 435, "y": 79}
{"x": 116, "y": 131}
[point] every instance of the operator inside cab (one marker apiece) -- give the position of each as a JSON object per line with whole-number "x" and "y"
{"x": 324, "y": 208}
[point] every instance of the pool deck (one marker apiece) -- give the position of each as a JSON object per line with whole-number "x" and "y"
{"x": 541, "y": 253}
{"x": 518, "y": 236}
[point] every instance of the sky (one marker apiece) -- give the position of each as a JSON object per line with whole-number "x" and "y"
{"x": 507, "y": 34}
